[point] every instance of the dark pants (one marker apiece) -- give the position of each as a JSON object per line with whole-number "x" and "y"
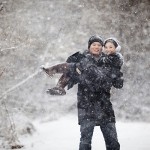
{"x": 109, "y": 134}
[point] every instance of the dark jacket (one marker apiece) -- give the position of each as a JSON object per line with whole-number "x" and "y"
{"x": 94, "y": 88}
{"x": 101, "y": 73}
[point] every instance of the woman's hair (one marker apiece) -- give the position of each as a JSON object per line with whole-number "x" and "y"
{"x": 111, "y": 41}
{"x": 114, "y": 41}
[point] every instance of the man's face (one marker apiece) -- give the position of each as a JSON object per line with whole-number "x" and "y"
{"x": 95, "y": 48}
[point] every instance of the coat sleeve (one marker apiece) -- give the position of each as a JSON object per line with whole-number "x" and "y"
{"x": 118, "y": 83}
{"x": 96, "y": 78}
{"x": 115, "y": 60}
{"x": 73, "y": 76}
{"x": 75, "y": 58}
{"x": 93, "y": 77}
{"x": 117, "y": 77}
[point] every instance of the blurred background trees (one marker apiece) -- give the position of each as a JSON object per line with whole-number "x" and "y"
{"x": 37, "y": 32}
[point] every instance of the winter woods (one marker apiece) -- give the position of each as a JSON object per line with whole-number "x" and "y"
{"x": 33, "y": 33}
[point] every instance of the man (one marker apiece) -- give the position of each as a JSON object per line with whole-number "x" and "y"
{"x": 94, "y": 106}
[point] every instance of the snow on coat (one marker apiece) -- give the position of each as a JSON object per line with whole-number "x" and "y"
{"x": 94, "y": 86}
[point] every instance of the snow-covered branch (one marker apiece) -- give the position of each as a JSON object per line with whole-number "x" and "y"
{"x": 10, "y": 48}
{"x": 20, "y": 83}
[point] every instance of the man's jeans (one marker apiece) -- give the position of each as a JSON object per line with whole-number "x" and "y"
{"x": 108, "y": 131}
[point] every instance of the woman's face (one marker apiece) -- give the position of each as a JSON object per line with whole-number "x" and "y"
{"x": 109, "y": 48}
{"x": 95, "y": 48}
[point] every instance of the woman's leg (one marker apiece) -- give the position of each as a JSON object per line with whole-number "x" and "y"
{"x": 63, "y": 81}
{"x": 110, "y": 136}
{"x": 60, "y": 68}
{"x": 86, "y": 130}
{"x": 59, "y": 89}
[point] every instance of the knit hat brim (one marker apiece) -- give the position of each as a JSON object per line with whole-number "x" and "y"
{"x": 93, "y": 39}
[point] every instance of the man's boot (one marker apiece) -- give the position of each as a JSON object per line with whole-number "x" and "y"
{"x": 85, "y": 147}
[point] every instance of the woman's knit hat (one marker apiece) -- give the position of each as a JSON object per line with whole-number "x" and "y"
{"x": 115, "y": 42}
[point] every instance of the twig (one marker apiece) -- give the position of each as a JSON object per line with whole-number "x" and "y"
{"x": 20, "y": 83}
{"x": 12, "y": 125}
{"x": 31, "y": 76}
{"x": 14, "y": 138}
{"x": 2, "y": 72}
{"x": 1, "y": 6}
{"x": 8, "y": 48}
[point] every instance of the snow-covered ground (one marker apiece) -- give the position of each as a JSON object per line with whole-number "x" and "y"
{"x": 64, "y": 134}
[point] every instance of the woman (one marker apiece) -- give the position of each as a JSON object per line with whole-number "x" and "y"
{"x": 94, "y": 106}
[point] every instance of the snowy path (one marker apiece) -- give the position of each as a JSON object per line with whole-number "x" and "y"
{"x": 64, "y": 134}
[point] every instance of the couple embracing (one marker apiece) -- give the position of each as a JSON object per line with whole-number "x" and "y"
{"x": 96, "y": 71}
